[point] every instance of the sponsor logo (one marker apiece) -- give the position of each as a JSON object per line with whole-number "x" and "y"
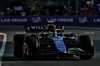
{"x": 83, "y": 20}
{"x": 98, "y": 6}
{"x": 37, "y": 27}
{"x": 36, "y": 20}
{"x": 13, "y": 20}
{"x": 96, "y": 20}
{"x": 61, "y": 19}
{"x": 58, "y": 41}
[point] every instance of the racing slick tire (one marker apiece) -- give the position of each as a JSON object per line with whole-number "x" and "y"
{"x": 32, "y": 46}
{"x": 18, "y": 45}
{"x": 87, "y": 45}
{"x": 32, "y": 43}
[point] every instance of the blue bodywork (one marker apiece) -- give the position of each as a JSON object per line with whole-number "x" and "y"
{"x": 60, "y": 46}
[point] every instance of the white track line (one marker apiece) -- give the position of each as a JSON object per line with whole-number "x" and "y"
{"x": 3, "y": 47}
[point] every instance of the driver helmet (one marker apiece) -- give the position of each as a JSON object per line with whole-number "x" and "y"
{"x": 51, "y": 26}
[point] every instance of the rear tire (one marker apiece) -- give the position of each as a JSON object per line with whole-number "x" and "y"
{"x": 87, "y": 45}
{"x": 18, "y": 45}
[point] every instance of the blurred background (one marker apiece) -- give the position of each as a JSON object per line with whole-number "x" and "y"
{"x": 46, "y": 7}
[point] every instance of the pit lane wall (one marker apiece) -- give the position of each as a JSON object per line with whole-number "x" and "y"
{"x": 42, "y": 20}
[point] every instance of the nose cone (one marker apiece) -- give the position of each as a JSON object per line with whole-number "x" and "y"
{"x": 62, "y": 50}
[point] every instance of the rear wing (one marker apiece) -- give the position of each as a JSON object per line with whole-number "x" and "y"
{"x": 40, "y": 28}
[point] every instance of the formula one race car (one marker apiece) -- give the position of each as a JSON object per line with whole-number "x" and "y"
{"x": 51, "y": 41}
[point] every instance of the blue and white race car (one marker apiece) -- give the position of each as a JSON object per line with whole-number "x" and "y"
{"x": 52, "y": 41}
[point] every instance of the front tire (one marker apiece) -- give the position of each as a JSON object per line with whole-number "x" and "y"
{"x": 87, "y": 45}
